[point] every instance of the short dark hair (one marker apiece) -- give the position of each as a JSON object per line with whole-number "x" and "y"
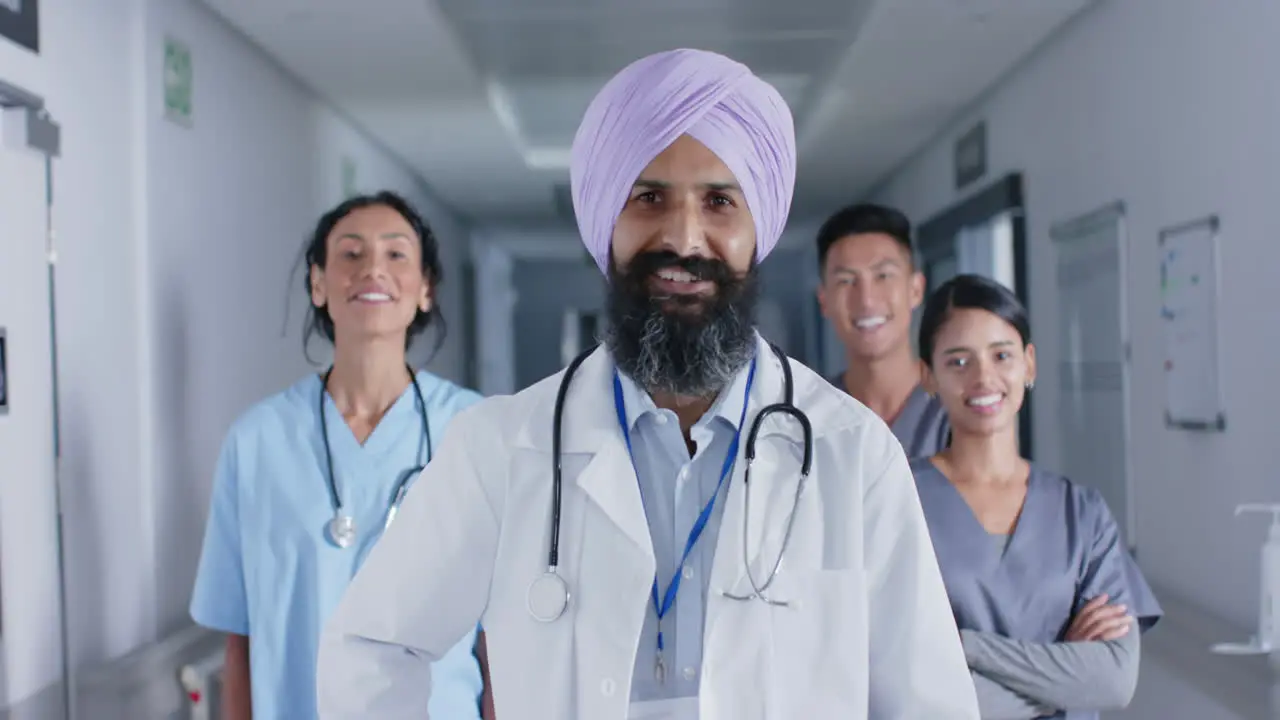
{"x": 318, "y": 320}
{"x": 860, "y": 219}
{"x": 970, "y": 292}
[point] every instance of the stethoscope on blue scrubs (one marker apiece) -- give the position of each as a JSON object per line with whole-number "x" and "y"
{"x": 548, "y": 594}
{"x": 342, "y": 528}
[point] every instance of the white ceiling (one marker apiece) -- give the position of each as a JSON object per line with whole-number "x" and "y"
{"x": 483, "y": 97}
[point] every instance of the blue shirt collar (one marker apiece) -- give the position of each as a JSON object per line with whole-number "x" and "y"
{"x": 726, "y": 408}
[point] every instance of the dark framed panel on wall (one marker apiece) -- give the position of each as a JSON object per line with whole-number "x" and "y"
{"x": 20, "y": 22}
{"x": 936, "y": 247}
{"x": 4, "y": 377}
{"x": 936, "y": 237}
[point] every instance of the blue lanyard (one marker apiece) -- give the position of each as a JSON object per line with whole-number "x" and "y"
{"x": 701, "y": 523}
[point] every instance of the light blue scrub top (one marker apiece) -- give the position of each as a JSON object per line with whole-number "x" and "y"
{"x": 268, "y": 569}
{"x": 1065, "y": 550}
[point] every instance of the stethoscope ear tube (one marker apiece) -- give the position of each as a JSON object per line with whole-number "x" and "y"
{"x": 806, "y": 428}
{"x": 557, "y": 473}
{"x": 786, "y": 407}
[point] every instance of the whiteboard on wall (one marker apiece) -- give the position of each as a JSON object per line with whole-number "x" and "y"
{"x": 1189, "y": 286}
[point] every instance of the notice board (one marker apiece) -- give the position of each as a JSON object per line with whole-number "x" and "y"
{"x": 1189, "y": 298}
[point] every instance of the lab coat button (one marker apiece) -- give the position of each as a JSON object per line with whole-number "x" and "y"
{"x": 688, "y": 573}
{"x": 607, "y": 687}
{"x": 690, "y": 673}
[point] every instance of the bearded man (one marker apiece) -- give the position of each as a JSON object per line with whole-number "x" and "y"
{"x": 637, "y": 535}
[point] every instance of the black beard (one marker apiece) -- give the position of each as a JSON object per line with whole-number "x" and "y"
{"x": 690, "y": 346}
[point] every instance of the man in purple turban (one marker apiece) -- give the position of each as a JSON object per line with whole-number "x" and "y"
{"x": 684, "y": 524}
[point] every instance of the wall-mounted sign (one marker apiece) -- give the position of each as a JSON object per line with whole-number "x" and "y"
{"x": 179, "y": 79}
{"x": 350, "y": 186}
{"x": 20, "y": 22}
{"x": 971, "y": 155}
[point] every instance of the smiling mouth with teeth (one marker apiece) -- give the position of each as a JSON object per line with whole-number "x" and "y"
{"x": 984, "y": 401}
{"x": 677, "y": 282}
{"x": 674, "y": 275}
{"x": 871, "y": 323}
{"x": 373, "y": 297}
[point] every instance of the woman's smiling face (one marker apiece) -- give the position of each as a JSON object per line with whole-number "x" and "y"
{"x": 979, "y": 370}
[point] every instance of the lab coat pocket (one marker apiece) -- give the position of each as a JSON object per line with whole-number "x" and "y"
{"x": 819, "y": 664}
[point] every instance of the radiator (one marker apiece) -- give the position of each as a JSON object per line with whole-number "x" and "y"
{"x": 150, "y": 682}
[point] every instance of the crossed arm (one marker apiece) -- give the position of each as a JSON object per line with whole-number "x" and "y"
{"x": 1096, "y": 668}
{"x": 998, "y": 702}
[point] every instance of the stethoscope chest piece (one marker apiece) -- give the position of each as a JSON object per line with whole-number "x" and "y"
{"x": 342, "y": 530}
{"x": 548, "y": 597}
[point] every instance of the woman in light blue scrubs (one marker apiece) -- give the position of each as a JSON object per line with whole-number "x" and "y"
{"x": 1047, "y": 598}
{"x": 307, "y": 479}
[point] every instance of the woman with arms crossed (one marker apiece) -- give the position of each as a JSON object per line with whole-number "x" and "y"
{"x": 308, "y": 478}
{"x": 1049, "y": 602}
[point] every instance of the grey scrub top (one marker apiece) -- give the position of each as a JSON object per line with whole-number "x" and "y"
{"x": 921, "y": 426}
{"x": 1065, "y": 550}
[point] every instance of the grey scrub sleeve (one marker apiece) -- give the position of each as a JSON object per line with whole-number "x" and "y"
{"x": 997, "y": 702}
{"x": 1014, "y": 601}
{"x": 1066, "y": 675}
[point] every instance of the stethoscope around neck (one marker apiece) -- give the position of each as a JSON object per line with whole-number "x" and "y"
{"x": 342, "y": 527}
{"x": 548, "y": 595}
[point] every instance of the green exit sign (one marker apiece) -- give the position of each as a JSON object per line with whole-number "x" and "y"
{"x": 178, "y": 82}
{"x": 350, "y": 184}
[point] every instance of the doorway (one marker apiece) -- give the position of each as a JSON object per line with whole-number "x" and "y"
{"x": 554, "y": 295}
{"x": 581, "y": 330}
{"x": 984, "y": 235}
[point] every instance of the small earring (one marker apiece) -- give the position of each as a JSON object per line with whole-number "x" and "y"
{"x": 1031, "y": 384}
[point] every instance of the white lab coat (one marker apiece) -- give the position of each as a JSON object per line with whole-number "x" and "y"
{"x": 869, "y": 633}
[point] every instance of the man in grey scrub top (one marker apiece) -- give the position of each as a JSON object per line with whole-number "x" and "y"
{"x": 870, "y": 286}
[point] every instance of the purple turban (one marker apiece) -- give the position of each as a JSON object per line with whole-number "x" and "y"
{"x": 655, "y": 100}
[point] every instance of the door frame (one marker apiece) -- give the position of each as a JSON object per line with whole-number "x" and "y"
{"x": 935, "y": 239}
{"x": 41, "y": 134}
{"x": 1064, "y": 232}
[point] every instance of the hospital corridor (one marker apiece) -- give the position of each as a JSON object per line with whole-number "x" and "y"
{"x": 946, "y": 320}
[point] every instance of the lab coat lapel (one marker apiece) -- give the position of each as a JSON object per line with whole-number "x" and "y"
{"x": 591, "y": 428}
{"x": 609, "y": 479}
